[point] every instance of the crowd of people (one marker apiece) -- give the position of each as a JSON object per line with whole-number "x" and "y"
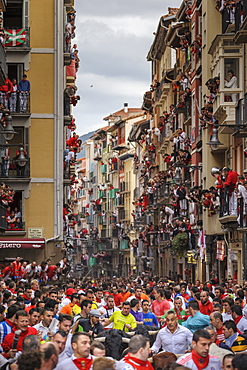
{"x": 15, "y": 96}
{"x": 119, "y": 323}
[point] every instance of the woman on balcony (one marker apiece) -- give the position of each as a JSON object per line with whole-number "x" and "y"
{"x": 232, "y": 83}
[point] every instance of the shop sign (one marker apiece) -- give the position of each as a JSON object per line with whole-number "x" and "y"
{"x": 6, "y": 243}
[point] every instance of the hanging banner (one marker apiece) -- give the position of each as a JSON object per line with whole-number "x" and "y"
{"x": 220, "y": 250}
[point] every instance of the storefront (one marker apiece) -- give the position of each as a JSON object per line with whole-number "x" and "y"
{"x": 28, "y": 249}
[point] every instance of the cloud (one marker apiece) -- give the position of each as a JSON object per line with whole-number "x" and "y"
{"x": 113, "y": 39}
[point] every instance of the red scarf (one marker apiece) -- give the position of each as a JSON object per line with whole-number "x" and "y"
{"x": 238, "y": 319}
{"x": 201, "y": 362}
{"x": 136, "y": 363}
{"x": 83, "y": 363}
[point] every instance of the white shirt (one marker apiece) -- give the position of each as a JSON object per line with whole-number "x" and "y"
{"x": 242, "y": 324}
{"x": 233, "y": 83}
{"x": 177, "y": 342}
{"x": 106, "y": 313}
{"x": 226, "y": 316}
{"x": 186, "y": 360}
{"x": 44, "y": 329}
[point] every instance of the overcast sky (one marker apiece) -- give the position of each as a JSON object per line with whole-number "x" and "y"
{"x": 113, "y": 37}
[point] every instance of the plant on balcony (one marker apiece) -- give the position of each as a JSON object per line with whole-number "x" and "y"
{"x": 180, "y": 244}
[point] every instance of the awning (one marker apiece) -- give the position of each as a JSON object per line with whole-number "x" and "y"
{"x": 11, "y": 243}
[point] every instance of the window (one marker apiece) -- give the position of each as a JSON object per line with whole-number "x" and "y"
{"x": 231, "y": 78}
{"x": 13, "y": 15}
{"x": 16, "y": 14}
{"x": 15, "y": 71}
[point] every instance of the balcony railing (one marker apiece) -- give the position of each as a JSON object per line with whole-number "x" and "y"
{"x": 122, "y": 214}
{"x": 15, "y": 170}
{"x": 2, "y": 218}
{"x": 136, "y": 193}
{"x": 16, "y": 102}
{"x": 15, "y": 227}
{"x": 240, "y": 15}
{"x": 241, "y": 111}
{"x": 18, "y": 37}
{"x": 228, "y": 202}
{"x": 115, "y": 233}
{"x": 114, "y": 167}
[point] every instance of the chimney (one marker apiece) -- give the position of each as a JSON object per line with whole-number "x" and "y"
{"x": 125, "y": 107}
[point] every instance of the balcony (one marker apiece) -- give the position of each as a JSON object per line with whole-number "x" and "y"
{"x": 3, "y": 65}
{"x": 119, "y": 144}
{"x": 241, "y": 117}
{"x": 136, "y": 193}
{"x": 67, "y": 120}
{"x": 17, "y": 229}
{"x": 123, "y": 215}
{"x": 115, "y": 233}
{"x": 241, "y": 24}
{"x": 103, "y": 169}
{"x": 69, "y": 171}
{"x": 124, "y": 187}
{"x": 112, "y": 193}
{"x": 17, "y": 103}
{"x": 97, "y": 154}
{"x": 19, "y": 39}
{"x": 124, "y": 244}
{"x": 228, "y": 208}
{"x": 113, "y": 167}
{"x": 66, "y": 59}
{"x": 225, "y": 103}
{"x": 16, "y": 173}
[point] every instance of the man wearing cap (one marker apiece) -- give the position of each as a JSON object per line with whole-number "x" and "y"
{"x": 74, "y": 300}
{"x": 92, "y": 325}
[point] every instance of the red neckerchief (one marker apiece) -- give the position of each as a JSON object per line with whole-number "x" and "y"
{"x": 129, "y": 360}
{"x": 201, "y": 362}
{"x": 238, "y": 319}
{"x": 26, "y": 298}
{"x": 83, "y": 363}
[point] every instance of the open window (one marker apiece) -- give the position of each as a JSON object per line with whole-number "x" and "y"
{"x": 16, "y": 14}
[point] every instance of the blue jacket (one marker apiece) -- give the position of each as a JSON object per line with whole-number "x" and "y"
{"x": 199, "y": 321}
{"x": 24, "y": 85}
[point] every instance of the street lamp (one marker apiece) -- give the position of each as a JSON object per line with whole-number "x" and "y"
{"x": 8, "y": 131}
{"x": 21, "y": 160}
{"x": 214, "y": 141}
{"x": 177, "y": 178}
{"x": 166, "y": 191}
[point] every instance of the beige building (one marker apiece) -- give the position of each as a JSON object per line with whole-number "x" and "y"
{"x": 38, "y": 118}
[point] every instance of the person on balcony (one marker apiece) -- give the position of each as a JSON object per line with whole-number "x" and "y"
{"x": 13, "y": 96}
{"x": 11, "y": 220}
{"x": 231, "y": 178}
{"x": 24, "y": 90}
{"x": 232, "y": 83}
{"x": 4, "y": 91}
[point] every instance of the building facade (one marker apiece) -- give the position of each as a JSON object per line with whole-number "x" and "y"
{"x": 41, "y": 118}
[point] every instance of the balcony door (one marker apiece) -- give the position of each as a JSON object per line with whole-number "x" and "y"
{"x": 16, "y": 14}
